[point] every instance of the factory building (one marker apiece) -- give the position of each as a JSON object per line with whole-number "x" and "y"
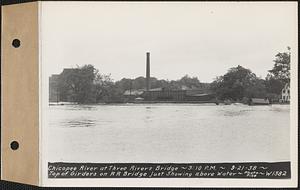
{"x": 168, "y": 95}
{"x": 54, "y": 94}
{"x": 53, "y": 88}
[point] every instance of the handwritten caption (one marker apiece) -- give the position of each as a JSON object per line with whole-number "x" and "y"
{"x": 276, "y": 170}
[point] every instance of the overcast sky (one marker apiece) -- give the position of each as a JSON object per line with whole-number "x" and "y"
{"x": 198, "y": 39}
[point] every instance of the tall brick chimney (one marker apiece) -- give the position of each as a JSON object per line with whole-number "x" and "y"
{"x": 148, "y": 71}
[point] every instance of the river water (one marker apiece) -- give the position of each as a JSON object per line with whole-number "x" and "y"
{"x": 168, "y": 133}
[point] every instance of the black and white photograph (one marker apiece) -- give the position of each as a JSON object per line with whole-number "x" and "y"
{"x": 169, "y": 93}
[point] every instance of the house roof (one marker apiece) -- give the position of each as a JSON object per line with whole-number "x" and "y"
{"x": 156, "y": 89}
{"x": 133, "y": 92}
{"x": 193, "y": 92}
{"x": 259, "y": 100}
{"x": 199, "y": 95}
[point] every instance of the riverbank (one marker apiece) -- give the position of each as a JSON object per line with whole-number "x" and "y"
{"x": 159, "y": 102}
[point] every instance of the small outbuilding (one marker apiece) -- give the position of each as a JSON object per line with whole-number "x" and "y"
{"x": 259, "y": 101}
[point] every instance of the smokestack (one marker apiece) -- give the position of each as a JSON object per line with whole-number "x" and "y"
{"x": 148, "y": 71}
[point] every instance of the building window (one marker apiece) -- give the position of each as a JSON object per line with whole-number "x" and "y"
{"x": 283, "y": 91}
{"x": 288, "y": 91}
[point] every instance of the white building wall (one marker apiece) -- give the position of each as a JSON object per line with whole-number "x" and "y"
{"x": 285, "y": 93}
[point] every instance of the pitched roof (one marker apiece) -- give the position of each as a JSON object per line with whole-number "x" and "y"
{"x": 133, "y": 92}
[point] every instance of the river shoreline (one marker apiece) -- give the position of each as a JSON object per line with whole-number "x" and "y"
{"x": 155, "y": 102}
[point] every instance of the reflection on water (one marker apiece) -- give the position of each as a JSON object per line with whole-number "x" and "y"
{"x": 168, "y": 133}
{"x": 76, "y": 107}
{"x": 232, "y": 113}
{"x": 79, "y": 123}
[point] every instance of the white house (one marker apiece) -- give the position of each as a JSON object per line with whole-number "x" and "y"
{"x": 285, "y": 93}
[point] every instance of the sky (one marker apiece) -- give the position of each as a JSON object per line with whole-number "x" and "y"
{"x": 200, "y": 39}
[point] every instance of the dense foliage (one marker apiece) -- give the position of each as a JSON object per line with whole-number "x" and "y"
{"x": 239, "y": 82}
{"x": 279, "y": 75}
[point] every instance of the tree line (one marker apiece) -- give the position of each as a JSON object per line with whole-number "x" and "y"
{"x": 86, "y": 84}
{"x": 240, "y": 82}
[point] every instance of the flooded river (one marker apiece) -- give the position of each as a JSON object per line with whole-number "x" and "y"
{"x": 167, "y": 133}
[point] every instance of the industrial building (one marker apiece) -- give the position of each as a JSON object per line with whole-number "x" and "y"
{"x": 169, "y": 95}
{"x": 53, "y": 88}
{"x": 148, "y": 94}
{"x": 54, "y": 95}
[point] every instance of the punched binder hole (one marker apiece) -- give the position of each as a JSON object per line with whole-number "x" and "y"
{"x": 14, "y": 145}
{"x": 16, "y": 43}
